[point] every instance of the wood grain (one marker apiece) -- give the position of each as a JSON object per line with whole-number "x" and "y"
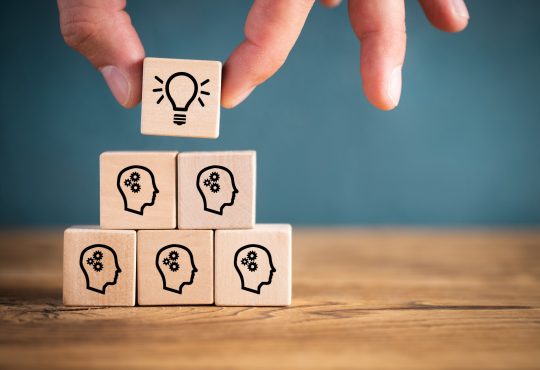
{"x": 152, "y": 205}
{"x": 228, "y": 202}
{"x": 200, "y": 98}
{"x": 268, "y": 282}
{"x": 113, "y": 284}
{"x": 379, "y": 299}
{"x": 190, "y": 283}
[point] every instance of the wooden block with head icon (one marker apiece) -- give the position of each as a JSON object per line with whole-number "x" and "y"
{"x": 216, "y": 190}
{"x": 253, "y": 267}
{"x": 175, "y": 267}
{"x": 181, "y": 97}
{"x": 99, "y": 267}
{"x": 138, "y": 190}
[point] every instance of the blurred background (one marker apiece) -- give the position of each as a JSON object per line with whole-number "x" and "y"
{"x": 462, "y": 149}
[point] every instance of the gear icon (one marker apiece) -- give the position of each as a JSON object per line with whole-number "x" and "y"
{"x": 135, "y": 187}
{"x": 244, "y": 261}
{"x": 206, "y": 182}
{"x": 90, "y": 261}
{"x": 214, "y": 176}
{"x": 127, "y": 182}
{"x": 252, "y": 266}
{"x": 173, "y": 255}
{"x": 135, "y": 176}
{"x": 166, "y": 261}
{"x": 98, "y": 266}
{"x": 97, "y": 255}
{"x": 174, "y": 266}
{"x": 252, "y": 255}
{"x": 214, "y": 188}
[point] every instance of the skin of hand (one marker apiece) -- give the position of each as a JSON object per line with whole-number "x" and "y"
{"x": 101, "y": 30}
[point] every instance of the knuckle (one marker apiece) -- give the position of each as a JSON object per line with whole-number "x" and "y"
{"x": 385, "y": 32}
{"x": 391, "y": 37}
{"x": 77, "y": 33}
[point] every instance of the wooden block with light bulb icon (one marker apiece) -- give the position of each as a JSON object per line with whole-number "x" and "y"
{"x": 181, "y": 97}
{"x": 253, "y": 267}
{"x": 216, "y": 190}
{"x": 138, "y": 190}
{"x": 99, "y": 267}
{"x": 175, "y": 267}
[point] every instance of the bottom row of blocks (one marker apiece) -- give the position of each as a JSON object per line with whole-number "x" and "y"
{"x": 178, "y": 267}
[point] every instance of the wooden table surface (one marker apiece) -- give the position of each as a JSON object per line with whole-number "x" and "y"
{"x": 374, "y": 299}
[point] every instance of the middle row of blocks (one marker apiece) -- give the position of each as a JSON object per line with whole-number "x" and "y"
{"x": 165, "y": 190}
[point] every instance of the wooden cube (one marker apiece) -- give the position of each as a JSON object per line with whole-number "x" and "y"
{"x": 175, "y": 267}
{"x": 216, "y": 190}
{"x": 99, "y": 267}
{"x": 138, "y": 190}
{"x": 181, "y": 97}
{"x": 253, "y": 267}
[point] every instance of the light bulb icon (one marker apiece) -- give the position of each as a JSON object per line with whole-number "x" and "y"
{"x": 181, "y": 89}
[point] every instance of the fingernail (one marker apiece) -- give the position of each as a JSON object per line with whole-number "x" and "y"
{"x": 117, "y": 82}
{"x": 460, "y": 8}
{"x": 240, "y": 98}
{"x": 334, "y": 3}
{"x": 394, "y": 85}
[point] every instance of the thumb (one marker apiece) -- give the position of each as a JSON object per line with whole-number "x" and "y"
{"x": 102, "y": 31}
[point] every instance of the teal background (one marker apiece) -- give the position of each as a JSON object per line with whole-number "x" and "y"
{"x": 463, "y": 147}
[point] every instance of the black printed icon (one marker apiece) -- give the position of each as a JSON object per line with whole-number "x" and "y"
{"x": 99, "y": 265}
{"x": 176, "y": 266}
{"x": 254, "y": 265}
{"x": 137, "y": 186}
{"x": 181, "y": 88}
{"x": 217, "y": 188}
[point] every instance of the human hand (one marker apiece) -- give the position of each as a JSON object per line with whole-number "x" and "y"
{"x": 102, "y": 31}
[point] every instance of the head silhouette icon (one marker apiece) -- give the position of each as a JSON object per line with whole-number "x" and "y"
{"x": 253, "y": 263}
{"x": 100, "y": 267}
{"x": 176, "y": 266}
{"x": 138, "y": 188}
{"x": 217, "y": 188}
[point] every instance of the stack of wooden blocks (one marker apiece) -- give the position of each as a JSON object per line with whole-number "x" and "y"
{"x": 178, "y": 228}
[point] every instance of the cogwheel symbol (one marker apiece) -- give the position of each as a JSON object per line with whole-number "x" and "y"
{"x": 98, "y": 255}
{"x": 214, "y": 188}
{"x": 127, "y": 182}
{"x": 174, "y": 266}
{"x": 135, "y": 176}
{"x": 166, "y": 261}
{"x": 214, "y": 176}
{"x": 90, "y": 261}
{"x": 252, "y": 266}
{"x": 173, "y": 255}
{"x": 252, "y": 255}
{"x": 244, "y": 261}
{"x": 98, "y": 266}
{"x": 206, "y": 182}
{"x": 135, "y": 187}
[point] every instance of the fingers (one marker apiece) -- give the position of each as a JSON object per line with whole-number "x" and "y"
{"x": 380, "y": 27}
{"x": 446, "y": 15}
{"x": 271, "y": 29}
{"x": 331, "y": 3}
{"x": 101, "y": 31}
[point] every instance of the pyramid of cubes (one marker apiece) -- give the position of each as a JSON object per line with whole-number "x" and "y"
{"x": 178, "y": 228}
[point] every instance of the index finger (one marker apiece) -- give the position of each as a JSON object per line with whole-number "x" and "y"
{"x": 272, "y": 27}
